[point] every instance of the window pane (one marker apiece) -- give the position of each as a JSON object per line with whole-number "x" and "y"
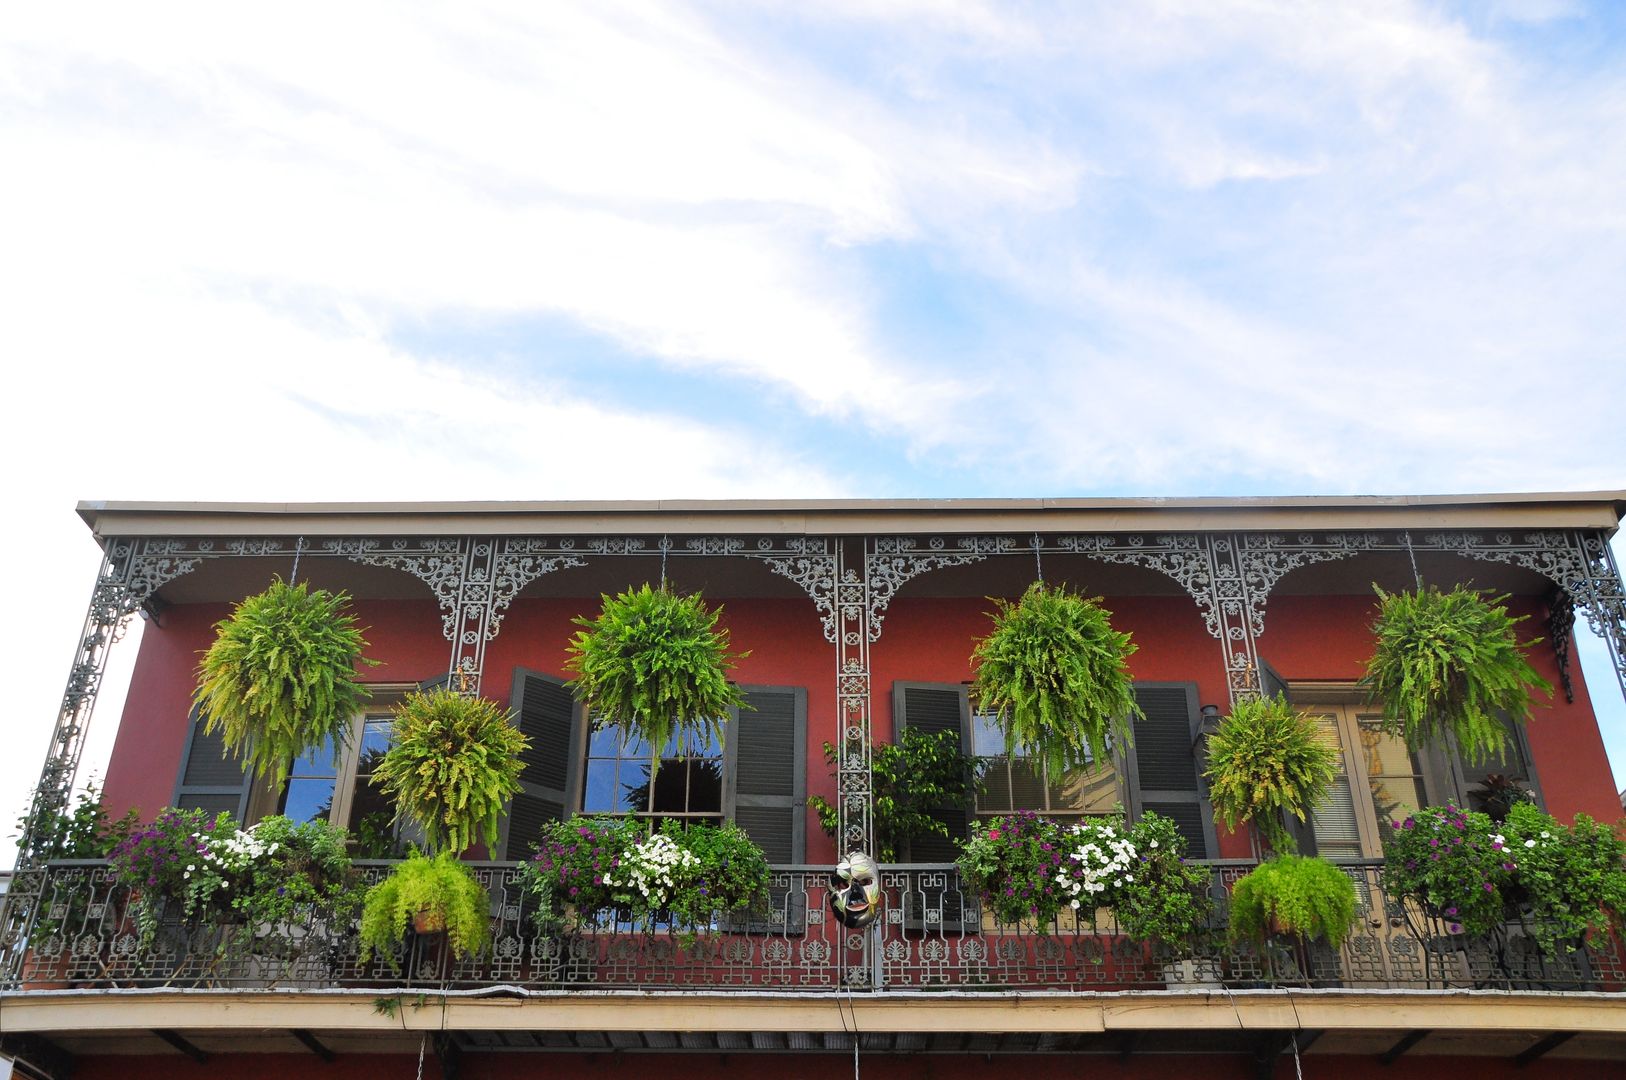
{"x": 319, "y": 761}
{"x": 986, "y": 739}
{"x": 601, "y": 792}
{"x": 308, "y": 799}
{"x": 1027, "y": 788}
{"x": 996, "y": 799}
{"x": 671, "y": 788}
{"x": 705, "y": 786}
{"x": 1089, "y": 791}
{"x": 603, "y": 742}
{"x": 1336, "y": 833}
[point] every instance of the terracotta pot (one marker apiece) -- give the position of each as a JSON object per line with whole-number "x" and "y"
{"x": 429, "y": 921}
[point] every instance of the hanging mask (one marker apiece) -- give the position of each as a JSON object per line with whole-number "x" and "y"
{"x": 855, "y": 890}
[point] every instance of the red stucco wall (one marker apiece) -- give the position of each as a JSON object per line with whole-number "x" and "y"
{"x": 922, "y": 640}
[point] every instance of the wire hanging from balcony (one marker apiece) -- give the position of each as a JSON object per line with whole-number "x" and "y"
{"x": 1038, "y": 561}
{"x": 666, "y": 544}
{"x": 1415, "y": 573}
{"x": 299, "y": 547}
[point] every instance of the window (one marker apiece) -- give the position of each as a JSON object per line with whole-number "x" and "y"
{"x": 1158, "y": 773}
{"x": 321, "y": 784}
{"x": 688, "y": 784}
{"x": 1380, "y": 779}
{"x": 755, "y": 778}
{"x": 1013, "y": 782}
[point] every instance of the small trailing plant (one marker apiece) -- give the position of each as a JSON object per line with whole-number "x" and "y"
{"x": 1054, "y": 675}
{"x": 452, "y": 765}
{"x": 1497, "y": 794}
{"x": 920, "y": 773}
{"x": 441, "y": 893}
{"x": 690, "y": 874}
{"x": 1454, "y": 863}
{"x": 280, "y": 677}
{"x": 1572, "y": 877}
{"x": 654, "y": 664}
{"x": 1294, "y": 894}
{"x": 1163, "y": 897}
{"x": 1450, "y": 664}
{"x": 1268, "y": 760}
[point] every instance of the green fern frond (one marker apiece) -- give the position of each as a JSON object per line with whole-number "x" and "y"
{"x": 1451, "y": 664}
{"x": 1054, "y": 675}
{"x": 280, "y": 676}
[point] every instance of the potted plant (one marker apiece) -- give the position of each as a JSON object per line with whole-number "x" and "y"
{"x": 1302, "y": 896}
{"x": 1014, "y": 864}
{"x": 1449, "y": 665}
{"x": 1454, "y": 864}
{"x": 1268, "y": 761}
{"x": 1162, "y": 898}
{"x": 1054, "y": 675}
{"x": 180, "y": 865}
{"x": 687, "y": 875}
{"x": 923, "y": 772}
{"x": 437, "y": 895}
{"x": 654, "y": 665}
{"x": 1571, "y": 879}
{"x": 280, "y": 677}
{"x": 452, "y": 765}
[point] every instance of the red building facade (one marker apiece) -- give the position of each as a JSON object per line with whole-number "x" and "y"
{"x": 858, "y": 619}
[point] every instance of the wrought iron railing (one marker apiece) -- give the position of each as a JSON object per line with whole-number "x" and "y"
{"x": 932, "y": 935}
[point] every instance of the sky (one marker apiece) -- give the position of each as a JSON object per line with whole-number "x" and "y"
{"x": 870, "y": 248}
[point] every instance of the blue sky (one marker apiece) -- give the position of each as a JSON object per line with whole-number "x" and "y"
{"x": 906, "y": 248}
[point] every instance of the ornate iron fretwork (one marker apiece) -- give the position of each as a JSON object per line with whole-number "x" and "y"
{"x": 891, "y": 562}
{"x": 1560, "y": 626}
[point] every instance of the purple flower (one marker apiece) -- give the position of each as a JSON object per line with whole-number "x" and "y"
{"x": 1489, "y": 887}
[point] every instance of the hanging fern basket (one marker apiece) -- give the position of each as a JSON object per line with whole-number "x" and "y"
{"x": 280, "y": 678}
{"x": 1266, "y": 761}
{"x": 654, "y": 664}
{"x": 1054, "y": 675}
{"x": 1450, "y": 666}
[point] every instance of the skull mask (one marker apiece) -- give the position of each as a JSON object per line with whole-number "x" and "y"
{"x": 855, "y": 890}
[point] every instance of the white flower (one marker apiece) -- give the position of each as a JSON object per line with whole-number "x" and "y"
{"x": 1546, "y": 836}
{"x": 1529, "y": 843}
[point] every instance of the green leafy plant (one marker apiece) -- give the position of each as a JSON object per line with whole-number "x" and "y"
{"x": 688, "y": 873}
{"x": 83, "y": 831}
{"x": 1054, "y": 675}
{"x": 921, "y": 773}
{"x": 446, "y": 893}
{"x": 1572, "y": 878}
{"x": 1294, "y": 894}
{"x": 654, "y": 664}
{"x": 1450, "y": 664}
{"x": 280, "y": 676}
{"x": 1014, "y": 863}
{"x": 1499, "y": 793}
{"x": 1163, "y": 897}
{"x": 453, "y": 763}
{"x": 264, "y": 876}
{"x": 1268, "y": 760}
{"x": 1454, "y": 863}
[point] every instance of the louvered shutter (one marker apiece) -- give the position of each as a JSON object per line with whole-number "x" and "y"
{"x": 766, "y": 753}
{"x": 934, "y": 707}
{"x": 210, "y": 778}
{"x": 547, "y": 714}
{"x": 1163, "y": 773}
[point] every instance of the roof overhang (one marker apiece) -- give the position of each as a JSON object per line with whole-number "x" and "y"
{"x": 851, "y": 517}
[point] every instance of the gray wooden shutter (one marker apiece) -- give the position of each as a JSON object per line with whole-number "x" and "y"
{"x": 934, "y": 707}
{"x": 1163, "y": 773}
{"x": 766, "y": 756}
{"x": 210, "y": 778}
{"x": 547, "y": 714}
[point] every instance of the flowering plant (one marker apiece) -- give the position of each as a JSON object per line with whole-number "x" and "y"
{"x": 1163, "y": 897}
{"x": 1015, "y": 864}
{"x": 689, "y": 873}
{"x": 1571, "y": 878}
{"x": 1453, "y": 862}
{"x": 252, "y": 877}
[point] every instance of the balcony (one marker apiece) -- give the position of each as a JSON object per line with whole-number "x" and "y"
{"x": 931, "y": 936}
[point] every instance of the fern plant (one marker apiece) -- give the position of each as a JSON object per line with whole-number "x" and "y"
{"x": 1294, "y": 894}
{"x": 1265, "y": 761}
{"x": 452, "y": 764}
{"x": 654, "y": 664}
{"x": 1054, "y": 676}
{"x": 1451, "y": 664}
{"x": 280, "y": 676}
{"x": 445, "y": 892}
